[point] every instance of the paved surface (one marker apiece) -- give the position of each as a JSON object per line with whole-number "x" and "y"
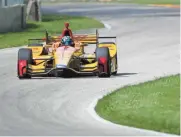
{"x": 148, "y": 47}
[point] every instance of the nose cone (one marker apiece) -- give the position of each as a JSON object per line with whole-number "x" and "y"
{"x": 61, "y": 66}
{"x": 63, "y": 56}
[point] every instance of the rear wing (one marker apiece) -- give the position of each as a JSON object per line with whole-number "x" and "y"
{"x": 91, "y": 38}
{"x": 83, "y": 38}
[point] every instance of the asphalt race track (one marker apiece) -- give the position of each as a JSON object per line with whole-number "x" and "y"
{"x": 148, "y": 47}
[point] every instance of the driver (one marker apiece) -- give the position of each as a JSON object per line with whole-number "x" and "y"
{"x": 67, "y": 41}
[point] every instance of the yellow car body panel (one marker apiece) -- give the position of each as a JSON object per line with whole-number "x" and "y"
{"x": 37, "y": 50}
{"x": 39, "y": 65}
{"x": 91, "y": 38}
{"x": 79, "y": 48}
{"x": 38, "y": 68}
{"x": 90, "y": 67}
{"x": 112, "y": 48}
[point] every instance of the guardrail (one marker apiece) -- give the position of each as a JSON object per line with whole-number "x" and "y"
{"x": 13, "y": 18}
{"x": 12, "y": 15}
{"x": 7, "y": 3}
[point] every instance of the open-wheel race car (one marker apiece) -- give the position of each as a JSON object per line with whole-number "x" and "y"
{"x": 52, "y": 58}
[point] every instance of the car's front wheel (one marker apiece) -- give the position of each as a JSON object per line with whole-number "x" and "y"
{"x": 24, "y": 58}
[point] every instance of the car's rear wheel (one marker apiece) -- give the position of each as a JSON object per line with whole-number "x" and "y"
{"x": 104, "y": 62}
{"x": 24, "y": 56}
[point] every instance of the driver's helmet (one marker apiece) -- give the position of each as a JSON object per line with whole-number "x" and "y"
{"x": 66, "y": 40}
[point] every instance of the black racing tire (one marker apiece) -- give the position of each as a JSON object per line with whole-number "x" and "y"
{"x": 103, "y": 52}
{"x": 115, "y": 72}
{"x": 57, "y": 74}
{"x": 25, "y": 54}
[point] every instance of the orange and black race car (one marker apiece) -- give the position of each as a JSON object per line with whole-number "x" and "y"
{"x": 52, "y": 58}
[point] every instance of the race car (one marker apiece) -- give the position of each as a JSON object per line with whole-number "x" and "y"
{"x": 51, "y": 58}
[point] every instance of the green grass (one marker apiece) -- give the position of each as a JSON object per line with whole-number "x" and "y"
{"x": 53, "y": 23}
{"x": 154, "y": 105}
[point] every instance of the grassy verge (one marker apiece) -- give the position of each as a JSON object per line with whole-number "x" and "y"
{"x": 153, "y": 105}
{"x": 177, "y": 2}
{"x": 53, "y": 23}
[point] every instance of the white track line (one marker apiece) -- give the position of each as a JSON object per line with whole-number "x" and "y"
{"x": 92, "y": 112}
{"x": 107, "y": 26}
